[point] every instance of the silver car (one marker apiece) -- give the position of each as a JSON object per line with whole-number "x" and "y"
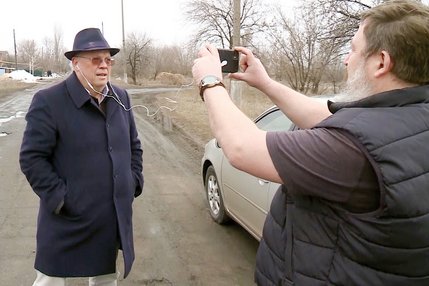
{"x": 235, "y": 194}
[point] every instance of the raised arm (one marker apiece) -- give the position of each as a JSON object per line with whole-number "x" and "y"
{"x": 242, "y": 142}
{"x": 304, "y": 111}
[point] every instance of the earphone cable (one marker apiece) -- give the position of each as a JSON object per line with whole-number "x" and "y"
{"x": 118, "y": 100}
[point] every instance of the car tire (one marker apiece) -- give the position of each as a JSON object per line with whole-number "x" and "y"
{"x": 214, "y": 197}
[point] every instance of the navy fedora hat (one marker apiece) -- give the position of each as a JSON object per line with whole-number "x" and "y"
{"x": 90, "y": 39}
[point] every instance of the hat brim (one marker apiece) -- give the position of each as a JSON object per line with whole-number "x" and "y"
{"x": 71, "y": 54}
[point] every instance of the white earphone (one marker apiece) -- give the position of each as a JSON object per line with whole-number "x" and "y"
{"x": 118, "y": 100}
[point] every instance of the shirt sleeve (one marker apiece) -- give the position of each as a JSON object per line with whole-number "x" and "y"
{"x": 324, "y": 163}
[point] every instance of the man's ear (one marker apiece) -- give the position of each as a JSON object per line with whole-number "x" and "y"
{"x": 74, "y": 63}
{"x": 384, "y": 64}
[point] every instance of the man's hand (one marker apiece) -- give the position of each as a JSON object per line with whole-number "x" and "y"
{"x": 207, "y": 63}
{"x": 252, "y": 70}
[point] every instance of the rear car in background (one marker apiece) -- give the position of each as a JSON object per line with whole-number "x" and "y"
{"x": 234, "y": 194}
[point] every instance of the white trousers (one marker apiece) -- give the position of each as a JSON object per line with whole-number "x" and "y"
{"x": 102, "y": 280}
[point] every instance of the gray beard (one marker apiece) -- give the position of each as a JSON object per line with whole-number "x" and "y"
{"x": 357, "y": 87}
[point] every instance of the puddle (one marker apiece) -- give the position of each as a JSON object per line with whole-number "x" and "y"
{"x": 19, "y": 114}
{"x": 7, "y": 119}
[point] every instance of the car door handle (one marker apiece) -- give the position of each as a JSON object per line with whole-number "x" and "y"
{"x": 262, "y": 182}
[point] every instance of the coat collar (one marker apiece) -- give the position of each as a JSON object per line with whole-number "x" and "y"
{"x": 391, "y": 98}
{"x": 76, "y": 90}
{"x": 80, "y": 95}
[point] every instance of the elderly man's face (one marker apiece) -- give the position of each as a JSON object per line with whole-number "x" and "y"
{"x": 94, "y": 67}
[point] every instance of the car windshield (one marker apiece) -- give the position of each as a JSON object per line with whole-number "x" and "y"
{"x": 274, "y": 121}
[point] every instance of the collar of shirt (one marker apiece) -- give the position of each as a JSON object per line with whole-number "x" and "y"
{"x": 103, "y": 93}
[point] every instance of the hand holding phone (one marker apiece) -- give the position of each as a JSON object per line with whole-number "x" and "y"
{"x": 229, "y": 60}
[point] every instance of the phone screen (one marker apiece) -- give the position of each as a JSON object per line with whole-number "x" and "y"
{"x": 229, "y": 59}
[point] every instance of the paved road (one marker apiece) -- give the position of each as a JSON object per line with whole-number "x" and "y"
{"x": 176, "y": 241}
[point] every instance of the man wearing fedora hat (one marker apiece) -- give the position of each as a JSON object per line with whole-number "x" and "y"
{"x": 82, "y": 156}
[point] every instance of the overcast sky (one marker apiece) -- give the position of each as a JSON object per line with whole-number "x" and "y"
{"x": 161, "y": 20}
{"x": 36, "y": 19}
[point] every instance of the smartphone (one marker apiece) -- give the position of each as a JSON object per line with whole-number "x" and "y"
{"x": 229, "y": 59}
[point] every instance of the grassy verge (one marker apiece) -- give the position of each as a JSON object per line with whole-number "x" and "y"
{"x": 189, "y": 114}
{"x": 9, "y": 86}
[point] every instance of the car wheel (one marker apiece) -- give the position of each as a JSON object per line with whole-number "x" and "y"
{"x": 214, "y": 197}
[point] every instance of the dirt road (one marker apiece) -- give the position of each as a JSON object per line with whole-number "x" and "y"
{"x": 176, "y": 242}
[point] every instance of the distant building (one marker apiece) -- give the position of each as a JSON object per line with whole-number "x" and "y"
{"x": 4, "y": 70}
{"x": 5, "y": 66}
{"x": 4, "y": 55}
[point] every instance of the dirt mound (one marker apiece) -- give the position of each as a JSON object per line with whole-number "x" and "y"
{"x": 170, "y": 78}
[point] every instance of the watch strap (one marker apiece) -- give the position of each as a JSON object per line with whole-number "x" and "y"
{"x": 203, "y": 88}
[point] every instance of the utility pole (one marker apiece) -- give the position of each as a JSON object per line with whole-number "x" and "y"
{"x": 14, "y": 45}
{"x": 236, "y": 23}
{"x": 235, "y": 85}
{"x": 123, "y": 44}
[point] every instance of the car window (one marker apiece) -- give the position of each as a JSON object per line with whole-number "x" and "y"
{"x": 274, "y": 121}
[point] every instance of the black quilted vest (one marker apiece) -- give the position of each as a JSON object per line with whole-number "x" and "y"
{"x": 308, "y": 241}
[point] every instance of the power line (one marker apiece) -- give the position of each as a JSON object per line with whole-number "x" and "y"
{"x": 12, "y": 63}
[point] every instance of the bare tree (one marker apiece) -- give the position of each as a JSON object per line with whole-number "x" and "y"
{"x": 171, "y": 59}
{"x": 47, "y": 54}
{"x": 215, "y": 20}
{"x": 310, "y": 46}
{"x": 302, "y": 51}
{"x": 137, "y": 45}
{"x": 28, "y": 53}
{"x": 334, "y": 75}
{"x": 341, "y": 17}
{"x": 52, "y": 52}
{"x": 58, "y": 50}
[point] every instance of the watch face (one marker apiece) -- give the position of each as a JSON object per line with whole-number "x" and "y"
{"x": 209, "y": 80}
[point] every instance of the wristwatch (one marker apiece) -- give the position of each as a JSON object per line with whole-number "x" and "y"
{"x": 208, "y": 82}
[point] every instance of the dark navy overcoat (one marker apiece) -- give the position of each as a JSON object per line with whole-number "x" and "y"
{"x": 73, "y": 152}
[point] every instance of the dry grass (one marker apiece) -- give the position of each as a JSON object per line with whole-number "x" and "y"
{"x": 190, "y": 115}
{"x": 9, "y": 86}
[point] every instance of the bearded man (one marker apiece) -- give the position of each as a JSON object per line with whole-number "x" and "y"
{"x": 353, "y": 206}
